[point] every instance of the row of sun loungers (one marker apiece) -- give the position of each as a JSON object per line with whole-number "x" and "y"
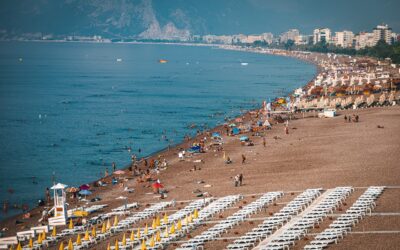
{"x": 231, "y": 221}
{"x": 272, "y": 223}
{"x": 343, "y": 224}
{"x": 182, "y": 213}
{"x": 205, "y": 214}
{"x": 309, "y": 218}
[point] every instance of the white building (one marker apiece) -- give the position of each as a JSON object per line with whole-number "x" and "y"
{"x": 383, "y": 32}
{"x": 289, "y": 35}
{"x": 322, "y": 34}
{"x": 364, "y": 39}
{"x": 303, "y": 39}
{"x": 344, "y": 39}
{"x": 267, "y": 37}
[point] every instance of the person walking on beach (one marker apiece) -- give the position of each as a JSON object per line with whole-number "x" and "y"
{"x": 264, "y": 142}
{"x": 357, "y": 118}
{"x": 286, "y": 130}
{"x": 243, "y": 159}
{"x": 345, "y": 118}
{"x": 114, "y": 167}
{"x": 106, "y": 173}
{"x": 48, "y": 195}
{"x": 240, "y": 179}
{"x": 236, "y": 180}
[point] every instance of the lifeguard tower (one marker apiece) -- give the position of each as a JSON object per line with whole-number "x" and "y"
{"x": 60, "y": 207}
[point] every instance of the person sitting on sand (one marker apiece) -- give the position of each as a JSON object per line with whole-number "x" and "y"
{"x": 228, "y": 160}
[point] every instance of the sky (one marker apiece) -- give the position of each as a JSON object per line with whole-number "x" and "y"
{"x": 201, "y": 16}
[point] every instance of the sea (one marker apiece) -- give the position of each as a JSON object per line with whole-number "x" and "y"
{"x": 68, "y": 110}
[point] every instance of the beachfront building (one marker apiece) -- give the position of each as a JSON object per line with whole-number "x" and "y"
{"x": 289, "y": 35}
{"x": 322, "y": 34}
{"x": 382, "y": 32}
{"x": 268, "y": 37}
{"x": 364, "y": 39}
{"x": 303, "y": 39}
{"x": 217, "y": 39}
{"x": 344, "y": 39}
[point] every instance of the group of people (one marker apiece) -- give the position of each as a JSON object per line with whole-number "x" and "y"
{"x": 353, "y": 118}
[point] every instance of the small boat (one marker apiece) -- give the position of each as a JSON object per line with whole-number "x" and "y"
{"x": 119, "y": 59}
{"x": 162, "y": 61}
{"x": 244, "y": 64}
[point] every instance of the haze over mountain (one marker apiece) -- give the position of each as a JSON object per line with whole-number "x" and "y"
{"x": 165, "y": 19}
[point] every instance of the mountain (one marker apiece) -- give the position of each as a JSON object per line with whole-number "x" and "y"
{"x": 108, "y": 18}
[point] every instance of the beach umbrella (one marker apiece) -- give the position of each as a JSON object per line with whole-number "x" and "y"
{"x": 116, "y": 247}
{"x": 190, "y": 219}
{"x": 30, "y": 242}
{"x": 19, "y": 246}
{"x": 154, "y": 224}
{"x": 71, "y": 224}
{"x": 44, "y": 235}
{"x": 152, "y": 243}
{"x": 158, "y": 222}
{"x": 158, "y": 236}
{"x": 146, "y": 229}
{"x": 54, "y": 232}
{"x": 86, "y": 235}
{"x": 84, "y": 187}
{"x": 186, "y": 220}
{"x": 79, "y": 240}
{"x": 165, "y": 220}
{"x": 124, "y": 240}
{"x": 195, "y": 214}
{"x": 108, "y": 226}
{"x": 143, "y": 247}
{"x": 115, "y": 221}
{"x": 61, "y": 247}
{"x": 166, "y": 235}
{"x": 179, "y": 225}
{"x": 157, "y": 185}
{"x": 172, "y": 229}
{"x": 70, "y": 245}
{"x": 232, "y": 125}
{"x": 119, "y": 172}
{"x": 72, "y": 190}
{"x": 39, "y": 239}
{"x": 94, "y": 231}
{"x": 132, "y": 236}
{"x": 138, "y": 233}
{"x": 244, "y": 138}
{"x": 85, "y": 192}
{"x": 103, "y": 228}
{"x": 108, "y": 246}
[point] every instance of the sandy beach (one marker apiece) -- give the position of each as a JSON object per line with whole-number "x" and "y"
{"x": 318, "y": 152}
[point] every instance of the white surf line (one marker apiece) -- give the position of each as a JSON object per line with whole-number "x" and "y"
{"x": 294, "y": 220}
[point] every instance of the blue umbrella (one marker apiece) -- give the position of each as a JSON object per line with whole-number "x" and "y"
{"x": 85, "y": 192}
{"x": 244, "y": 138}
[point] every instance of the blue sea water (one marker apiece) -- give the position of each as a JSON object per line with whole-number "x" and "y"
{"x": 68, "y": 110}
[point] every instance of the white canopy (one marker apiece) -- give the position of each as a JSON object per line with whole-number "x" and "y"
{"x": 59, "y": 186}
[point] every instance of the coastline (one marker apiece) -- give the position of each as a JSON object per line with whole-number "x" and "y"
{"x": 273, "y": 184}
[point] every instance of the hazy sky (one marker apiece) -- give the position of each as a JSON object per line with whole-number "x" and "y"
{"x": 255, "y": 16}
{"x": 201, "y": 16}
